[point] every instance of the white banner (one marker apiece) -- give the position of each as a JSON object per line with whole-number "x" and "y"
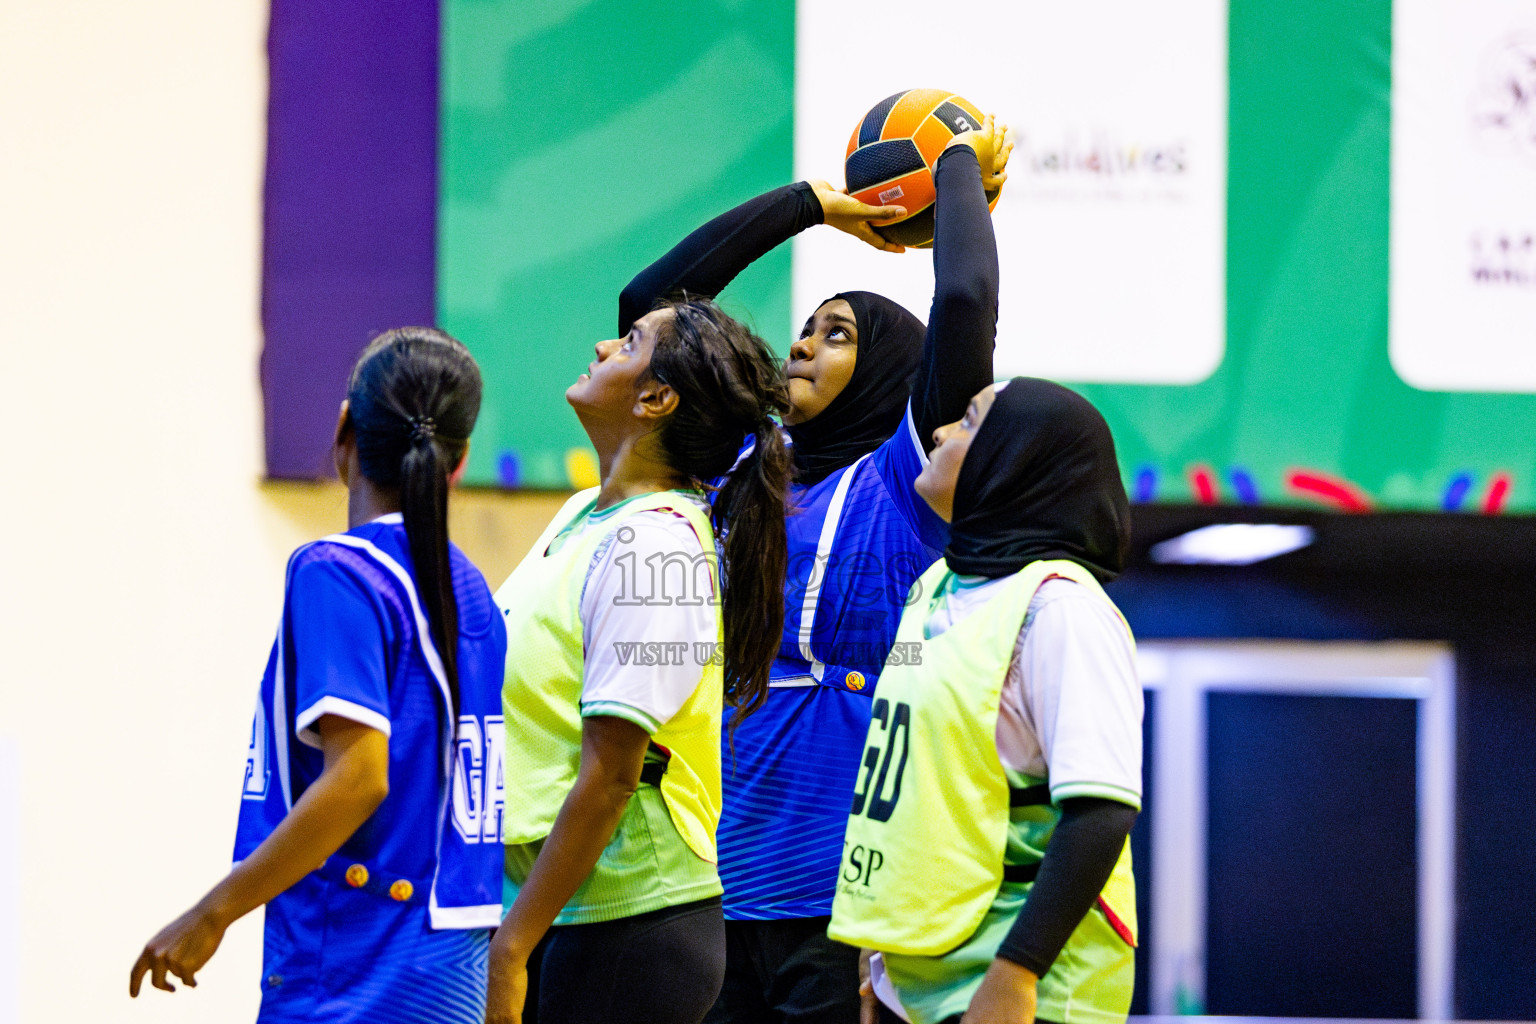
{"x": 1112, "y": 227}
{"x": 1463, "y": 308}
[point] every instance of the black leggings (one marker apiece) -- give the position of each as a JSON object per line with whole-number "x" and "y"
{"x": 664, "y": 967}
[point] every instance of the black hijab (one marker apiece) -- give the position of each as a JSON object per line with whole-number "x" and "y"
{"x": 1040, "y": 481}
{"x": 869, "y": 409}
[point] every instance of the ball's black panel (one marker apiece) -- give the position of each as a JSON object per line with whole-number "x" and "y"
{"x": 992, "y": 194}
{"x": 955, "y": 119}
{"x": 870, "y": 165}
{"x": 869, "y": 128}
{"x": 916, "y": 231}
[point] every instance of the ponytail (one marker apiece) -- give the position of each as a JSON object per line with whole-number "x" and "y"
{"x": 749, "y": 514}
{"x": 729, "y": 386}
{"x": 412, "y": 401}
{"x": 424, "y": 507}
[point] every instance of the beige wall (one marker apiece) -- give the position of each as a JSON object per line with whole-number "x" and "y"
{"x": 495, "y": 528}
{"x": 140, "y": 555}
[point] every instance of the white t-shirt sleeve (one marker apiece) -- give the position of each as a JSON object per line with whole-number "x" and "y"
{"x": 1072, "y": 703}
{"x": 649, "y": 617}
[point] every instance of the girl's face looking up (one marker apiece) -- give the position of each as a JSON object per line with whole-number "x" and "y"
{"x": 821, "y": 360}
{"x": 611, "y": 385}
{"x": 936, "y": 483}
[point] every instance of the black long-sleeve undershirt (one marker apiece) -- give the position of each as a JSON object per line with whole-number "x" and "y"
{"x": 711, "y": 257}
{"x": 962, "y": 322}
{"x": 1078, "y": 861}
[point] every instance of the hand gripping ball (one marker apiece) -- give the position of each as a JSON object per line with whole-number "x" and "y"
{"x": 892, "y": 154}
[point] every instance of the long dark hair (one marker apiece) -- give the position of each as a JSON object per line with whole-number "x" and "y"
{"x": 412, "y": 401}
{"x": 729, "y": 386}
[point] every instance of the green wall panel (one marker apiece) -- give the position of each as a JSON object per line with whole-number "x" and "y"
{"x": 581, "y": 138}
{"x": 1306, "y": 383}
{"x": 579, "y": 141}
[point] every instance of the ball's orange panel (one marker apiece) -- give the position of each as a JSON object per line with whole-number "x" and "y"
{"x": 909, "y": 111}
{"x": 913, "y": 191}
{"x": 853, "y": 142}
{"x": 931, "y": 138}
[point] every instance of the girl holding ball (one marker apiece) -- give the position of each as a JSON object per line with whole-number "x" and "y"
{"x": 868, "y": 384}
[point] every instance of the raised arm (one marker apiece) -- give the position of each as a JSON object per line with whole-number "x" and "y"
{"x": 710, "y": 258}
{"x": 962, "y": 324}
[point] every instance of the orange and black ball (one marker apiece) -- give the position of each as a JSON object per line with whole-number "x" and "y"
{"x": 892, "y": 154}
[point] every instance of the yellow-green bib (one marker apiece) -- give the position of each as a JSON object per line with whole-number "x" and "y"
{"x": 541, "y": 697}
{"x": 924, "y": 853}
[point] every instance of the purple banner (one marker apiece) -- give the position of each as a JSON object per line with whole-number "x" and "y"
{"x": 351, "y": 205}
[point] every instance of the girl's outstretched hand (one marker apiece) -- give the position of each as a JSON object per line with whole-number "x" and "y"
{"x": 993, "y": 145}
{"x": 847, "y": 214}
{"x": 1006, "y": 996}
{"x": 355, "y": 781}
{"x": 181, "y": 948}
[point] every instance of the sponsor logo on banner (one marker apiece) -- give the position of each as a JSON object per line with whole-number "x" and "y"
{"x": 1504, "y": 106}
{"x": 1090, "y": 165}
{"x": 1504, "y": 259}
{"x": 1463, "y": 226}
{"x": 1504, "y": 123}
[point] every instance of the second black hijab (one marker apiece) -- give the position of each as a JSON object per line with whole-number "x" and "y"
{"x": 1040, "y": 480}
{"x": 869, "y": 409}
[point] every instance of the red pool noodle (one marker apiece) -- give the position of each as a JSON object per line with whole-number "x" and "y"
{"x": 1330, "y": 489}
{"x": 1204, "y": 483}
{"x": 1498, "y": 493}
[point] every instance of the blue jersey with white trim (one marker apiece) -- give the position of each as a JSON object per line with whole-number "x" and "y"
{"x": 858, "y": 539}
{"x": 353, "y": 642}
{"x": 384, "y": 963}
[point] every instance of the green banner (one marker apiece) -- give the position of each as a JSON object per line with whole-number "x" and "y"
{"x": 1306, "y": 387}
{"x": 580, "y": 141}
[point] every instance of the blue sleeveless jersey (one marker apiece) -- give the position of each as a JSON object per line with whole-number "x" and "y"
{"x": 420, "y": 880}
{"x": 858, "y": 540}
